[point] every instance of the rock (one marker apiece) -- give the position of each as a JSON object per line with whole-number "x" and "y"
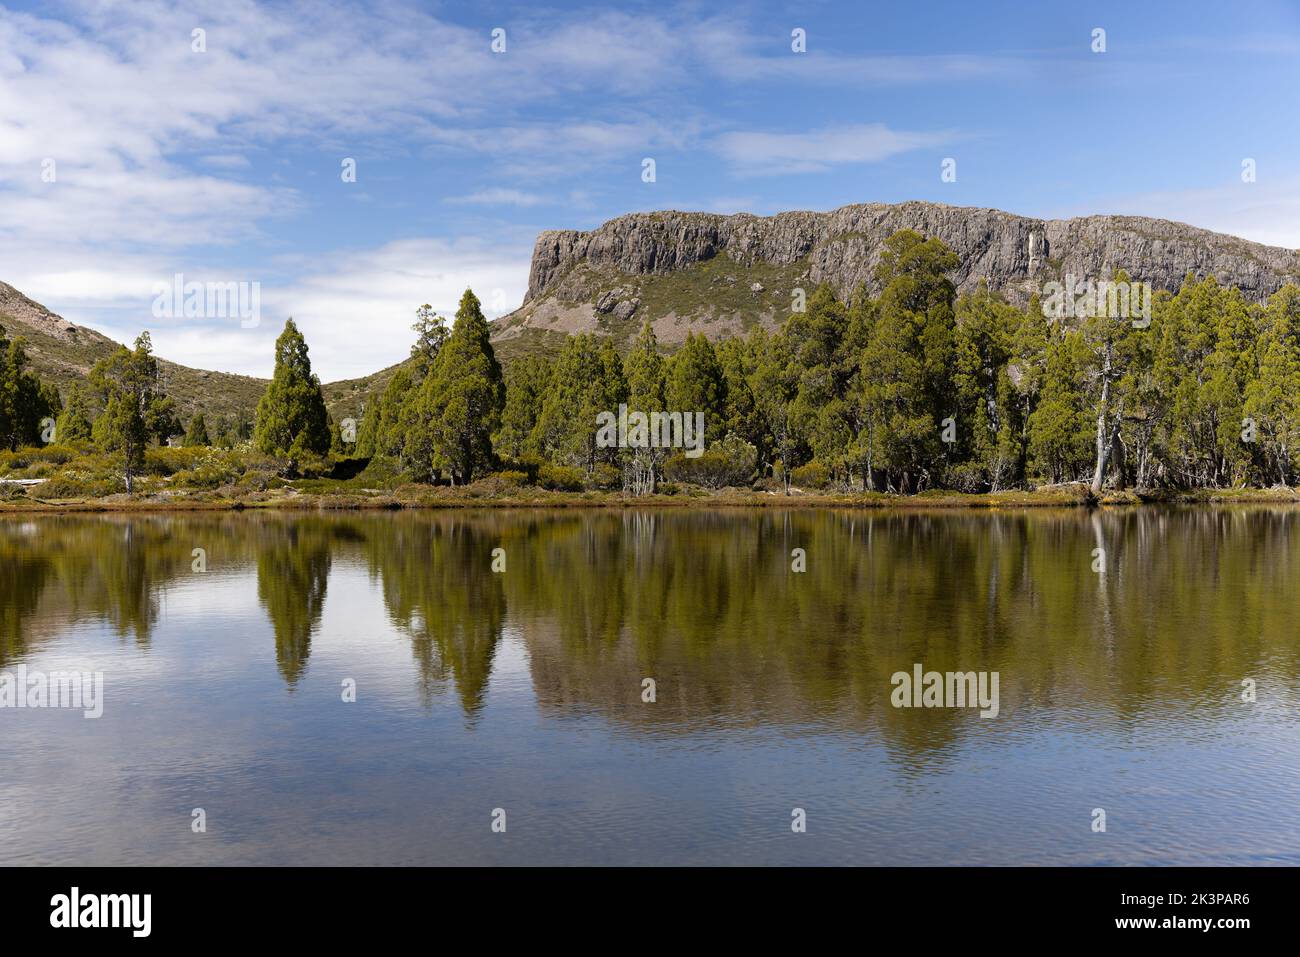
{"x": 756, "y": 287}
{"x": 625, "y": 308}
{"x": 843, "y": 246}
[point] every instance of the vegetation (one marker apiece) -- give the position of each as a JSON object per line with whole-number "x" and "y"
{"x": 910, "y": 391}
{"x": 291, "y": 417}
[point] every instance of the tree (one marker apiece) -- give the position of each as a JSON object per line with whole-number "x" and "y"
{"x": 989, "y": 445}
{"x": 291, "y": 414}
{"x": 458, "y": 405}
{"x": 430, "y": 336}
{"x": 1059, "y": 431}
{"x": 24, "y": 400}
{"x": 586, "y": 381}
{"x": 128, "y": 387}
{"x": 526, "y": 387}
{"x": 197, "y": 433}
{"x": 73, "y": 424}
{"x": 696, "y": 384}
{"x": 644, "y": 370}
{"x": 1272, "y": 404}
{"x": 907, "y": 388}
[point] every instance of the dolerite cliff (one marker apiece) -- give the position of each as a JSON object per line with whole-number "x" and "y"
{"x": 722, "y": 274}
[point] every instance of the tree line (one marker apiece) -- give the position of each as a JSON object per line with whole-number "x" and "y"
{"x": 910, "y": 389}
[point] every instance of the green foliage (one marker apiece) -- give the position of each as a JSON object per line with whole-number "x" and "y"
{"x": 197, "y": 433}
{"x": 586, "y": 380}
{"x": 729, "y": 462}
{"x": 561, "y": 478}
{"x": 128, "y": 389}
{"x": 73, "y": 424}
{"x": 24, "y": 399}
{"x": 291, "y": 416}
{"x": 457, "y": 407}
{"x": 526, "y": 387}
{"x": 810, "y": 475}
{"x": 696, "y": 384}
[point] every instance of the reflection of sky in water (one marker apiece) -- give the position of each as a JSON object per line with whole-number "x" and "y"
{"x": 202, "y": 716}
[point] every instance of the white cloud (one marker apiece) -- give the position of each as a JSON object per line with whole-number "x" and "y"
{"x": 818, "y": 150}
{"x": 499, "y": 197}
{"x": 356, "y": 308}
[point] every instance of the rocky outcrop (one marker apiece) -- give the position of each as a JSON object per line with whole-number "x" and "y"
{"x": 1015, "y": 254}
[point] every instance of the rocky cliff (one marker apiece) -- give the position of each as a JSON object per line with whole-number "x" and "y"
{"x": 723, "y": 273}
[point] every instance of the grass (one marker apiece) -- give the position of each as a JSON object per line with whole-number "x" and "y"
{"x": 80, "y": 479}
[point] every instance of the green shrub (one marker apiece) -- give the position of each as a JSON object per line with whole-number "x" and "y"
{"x": 561, "y": 478}
{"x": 71, "y": 485}
{"x": 605, "y": 477}
{"x": 25, "y": 458}
{"x": 208, "y": 475}
{"x": 511, "y": 478}
{"x": 729, "y": 462}
{"x": 528, "y": 466}
{"x": 812, "y": 475}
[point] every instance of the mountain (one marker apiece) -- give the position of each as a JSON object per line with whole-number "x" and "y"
{"x": 723, "y": 274}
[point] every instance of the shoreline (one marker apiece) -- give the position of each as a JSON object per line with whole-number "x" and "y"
{"x": 446, "y": 498}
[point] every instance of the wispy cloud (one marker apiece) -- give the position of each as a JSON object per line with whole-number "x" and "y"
{"x": 499, "y": 197}
{"x": 815, "y": 151}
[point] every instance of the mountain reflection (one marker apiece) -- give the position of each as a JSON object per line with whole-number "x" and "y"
{"x": 1185, "y": 605}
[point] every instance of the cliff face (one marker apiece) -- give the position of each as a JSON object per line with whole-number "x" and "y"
{"x": 622, "y": 260}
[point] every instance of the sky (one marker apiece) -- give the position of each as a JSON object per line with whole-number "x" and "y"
{"x": 128, "y": 155}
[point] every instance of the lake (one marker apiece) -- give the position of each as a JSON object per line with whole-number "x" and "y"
{"x": 365, "y": 688}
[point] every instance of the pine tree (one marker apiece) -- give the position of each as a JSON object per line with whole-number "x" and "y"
{"x": 696, "y": 384}
{"x": 291, "y": 415}
{"x": 73, "y": 424}
{"x": 644, "y": 370}
{"x": 128, "y": 386}
{"x": 458, "y": 406}
{"x": 526, "y": 387}
{"x": 197, "y": 433}
{"x": 24, "y": 399}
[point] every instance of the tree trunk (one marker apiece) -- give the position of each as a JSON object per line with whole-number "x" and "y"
{"x": 1103, "y": 438}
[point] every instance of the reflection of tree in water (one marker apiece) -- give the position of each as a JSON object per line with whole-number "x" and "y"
{"x": 24, "y": 573}
{"x": 293, "y": 566}
{"x": 130, "y": 591}
{"x": 439, "y": 588}
{"x": 705, "y": 602}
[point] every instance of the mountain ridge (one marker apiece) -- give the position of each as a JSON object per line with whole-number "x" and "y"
{"x": 610, "y": 278}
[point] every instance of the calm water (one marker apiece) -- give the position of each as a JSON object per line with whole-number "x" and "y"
{"x": 522, "y": 690}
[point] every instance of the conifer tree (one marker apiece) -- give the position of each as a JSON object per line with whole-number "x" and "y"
{"x": 128, "y": 387}
{"x": 291, "y": 416}
{"x": 457, "y": 407}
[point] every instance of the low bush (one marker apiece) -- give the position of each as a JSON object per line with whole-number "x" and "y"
{"x": 729, "y": 462}
{"x": 812, "y": 475}
{"x": 561, "y": 478}
{"x": 605, "y": 477}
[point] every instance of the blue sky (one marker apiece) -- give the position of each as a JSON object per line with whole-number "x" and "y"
{"x": 225, "y": 165}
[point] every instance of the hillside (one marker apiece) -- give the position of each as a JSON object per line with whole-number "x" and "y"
{"x": 64, "y": 352}
{"x": 722, "y": 274}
